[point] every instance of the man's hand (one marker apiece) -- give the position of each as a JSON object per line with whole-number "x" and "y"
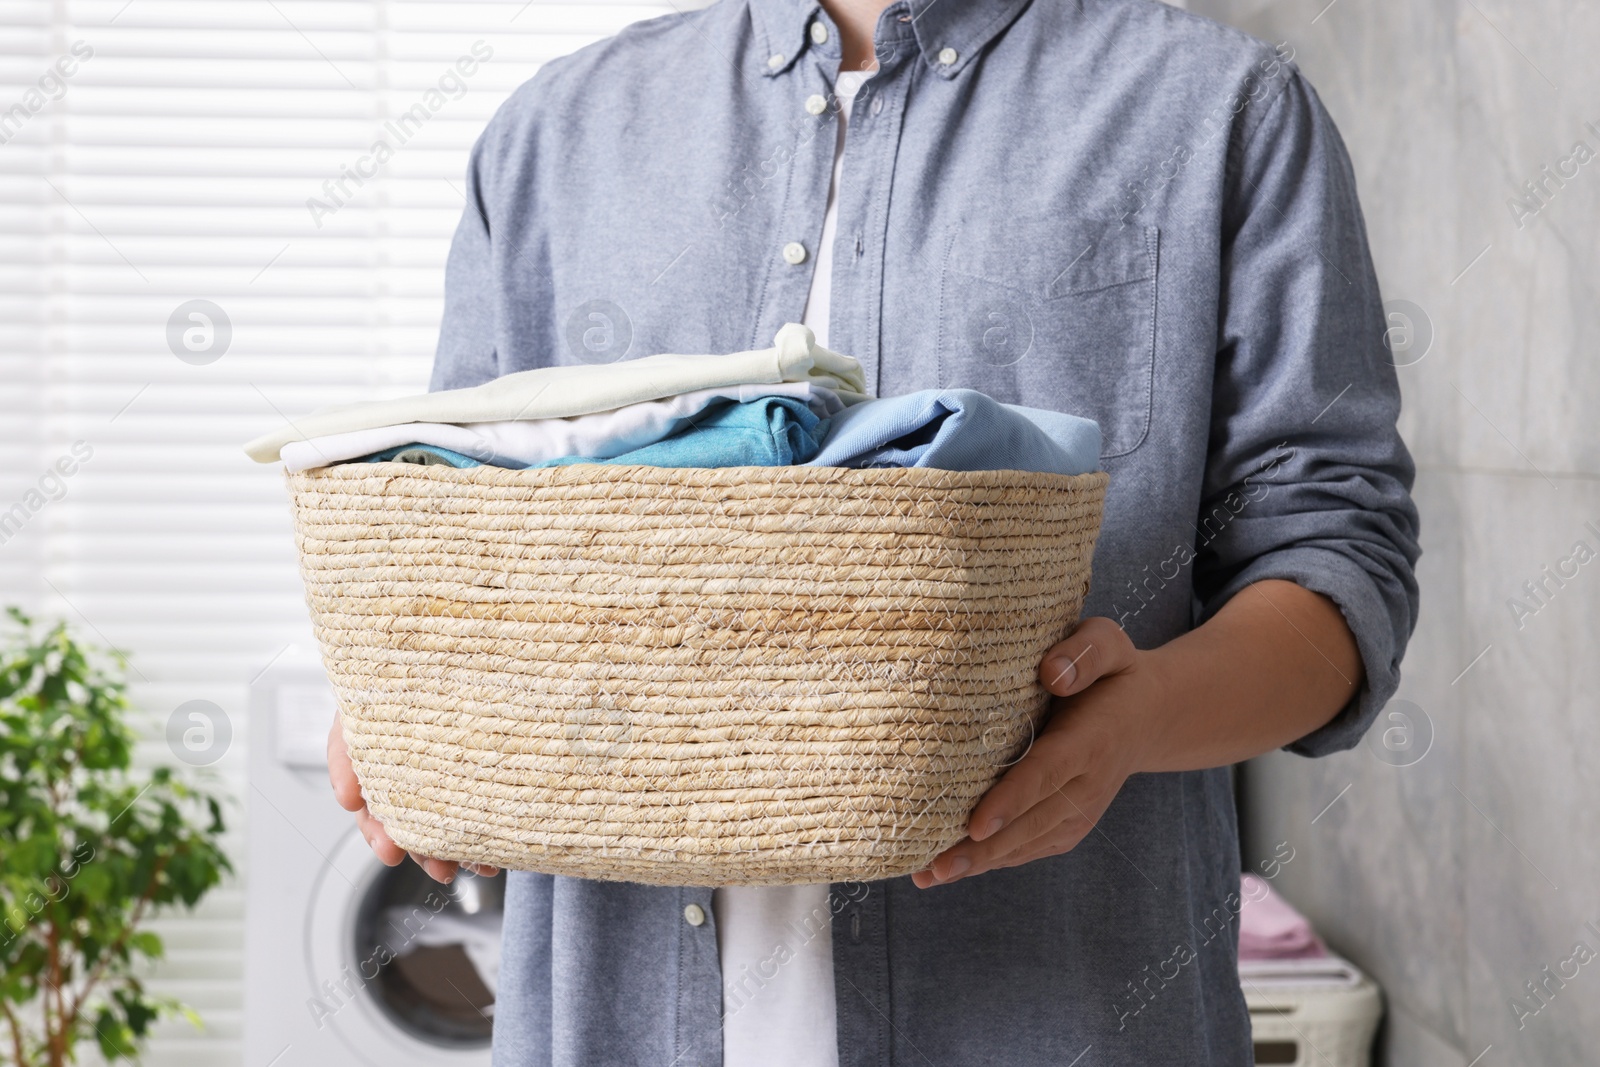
{"x": 1274, "y": 664}
{"x": 347, "y": 790}
{"x": 1052, "y": 797}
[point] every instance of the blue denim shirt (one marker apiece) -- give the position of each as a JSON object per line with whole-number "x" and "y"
{"x": 1104, "y": 207}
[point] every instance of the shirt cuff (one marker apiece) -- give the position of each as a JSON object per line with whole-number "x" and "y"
{"x": 1378, "y": 634}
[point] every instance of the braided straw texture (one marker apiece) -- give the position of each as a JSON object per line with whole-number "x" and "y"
{"x": 737, "y": 676}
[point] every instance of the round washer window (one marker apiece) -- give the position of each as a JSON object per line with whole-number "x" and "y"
{"x": 435, "y": 950}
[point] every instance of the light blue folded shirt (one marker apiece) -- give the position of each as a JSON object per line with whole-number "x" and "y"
{"x": 947, "y": 429}
{"x": 774, "y": 431}
{"x": 421, "y": 455}
{"x": 959, "y": 430}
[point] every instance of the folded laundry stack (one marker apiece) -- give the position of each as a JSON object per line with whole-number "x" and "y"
{"x": 1277, "y": 943}
{"x": 802, "y": 404}
{"x": 524, "y": 442}
{"x": 689, "y": 620}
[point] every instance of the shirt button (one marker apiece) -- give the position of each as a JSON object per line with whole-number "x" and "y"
{"x": 794, "y": 253}
{"x": 819, "y": 33}
{"x": 775, "y": 61}
{"x": 949, "y": 56}
{"x": 877, "y": 104}
{"x": 694, "y": 915}
{"x": 817, "y": 104}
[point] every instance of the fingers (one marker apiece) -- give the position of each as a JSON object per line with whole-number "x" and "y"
{"x": 1098, "y": 647}
{"x": 378, "y": 838}
{"x": 346, "y": 789}
{"x": 1051, "y": 811}
{"x": 1049, "y": 801}
{"x": 1062, "y": 752}
{"x": 439, "y": 870}
{"x": 391, "y": 854}
{"x": 1053, "y": 817}
{"x": 1054, "y": 843}
{"x": 1054, "y": 825}
{"x": 446, "y": 870}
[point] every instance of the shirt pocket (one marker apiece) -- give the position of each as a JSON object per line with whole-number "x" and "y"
{"x": 1055, "y": 313}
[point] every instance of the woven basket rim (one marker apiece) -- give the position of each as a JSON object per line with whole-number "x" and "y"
{"x": 592, "y": 473}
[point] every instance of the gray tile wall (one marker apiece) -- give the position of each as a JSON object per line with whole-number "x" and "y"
{"x": 1457, "y": 877}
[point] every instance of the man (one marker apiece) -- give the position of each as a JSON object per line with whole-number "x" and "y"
{"x": 1107, "y": 207}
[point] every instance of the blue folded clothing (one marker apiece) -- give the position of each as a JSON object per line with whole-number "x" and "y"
{"x": 959, "y": 430}
{"x": 773, "y": 431}
{"x": 947, "y": 429}
{"x": 422, "y": 456}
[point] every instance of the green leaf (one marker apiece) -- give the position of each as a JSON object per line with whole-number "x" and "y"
{"x": 147, "y": 943}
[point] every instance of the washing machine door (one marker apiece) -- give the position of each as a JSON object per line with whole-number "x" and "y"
{"x": 405, "y": 967}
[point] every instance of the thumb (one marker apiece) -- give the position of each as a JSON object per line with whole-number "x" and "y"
{"x": 346, "y": 788}
{"x": 1098, "y": 647}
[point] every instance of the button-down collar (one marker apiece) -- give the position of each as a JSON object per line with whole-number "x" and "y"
{"x": 962, "y": 28}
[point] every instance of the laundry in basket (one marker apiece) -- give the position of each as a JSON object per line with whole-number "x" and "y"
{"x": 686, "y": 675}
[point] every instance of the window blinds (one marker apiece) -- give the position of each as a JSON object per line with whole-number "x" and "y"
{"x": 198, "y": 236}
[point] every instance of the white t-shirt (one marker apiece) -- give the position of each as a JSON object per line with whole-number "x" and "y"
{"x": 776, "y": 942}
{"x": 819, "y": 302}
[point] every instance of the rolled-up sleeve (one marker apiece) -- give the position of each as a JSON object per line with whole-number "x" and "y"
{"x": 1306, "y": 477}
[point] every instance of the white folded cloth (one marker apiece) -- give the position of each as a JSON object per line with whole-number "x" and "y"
{"x": 562, "y": 392}
{"x": 522, "y": 443}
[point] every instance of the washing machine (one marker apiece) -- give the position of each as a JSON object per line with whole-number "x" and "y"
{"x": 348, "y": 961}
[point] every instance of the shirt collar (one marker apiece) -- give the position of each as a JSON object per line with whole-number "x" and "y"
{"x": 949, "y": 33}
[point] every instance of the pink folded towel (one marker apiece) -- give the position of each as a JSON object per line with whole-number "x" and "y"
{"x": 1270, "y": 928}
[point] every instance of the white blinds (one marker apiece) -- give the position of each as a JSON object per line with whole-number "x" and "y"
{"x": 169, "y": 158}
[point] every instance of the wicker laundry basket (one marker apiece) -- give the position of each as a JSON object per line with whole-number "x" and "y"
{"x": 738, "y": 676}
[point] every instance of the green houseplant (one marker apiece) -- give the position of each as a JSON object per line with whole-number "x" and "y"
{"x": 88, "y": 848}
